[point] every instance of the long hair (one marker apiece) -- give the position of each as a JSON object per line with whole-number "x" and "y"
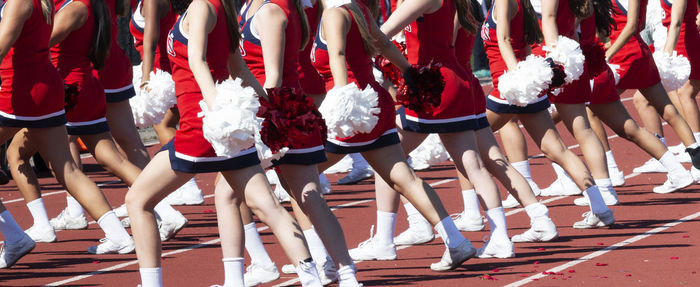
{"x": 304, "y": 23}
{"x": 580, "y": 8}
{"x": 373, "y": 6}
{"x": 604, "y": 22}
{"x": 101, "y": 35}
{"x": 120, "y": 7}
{"x": 361, "y": 21}
{"x": 533, "y": 33}
{"x": 180, "y": 6}
{"x": 47, "y": 10}
{"x": 464, "y": 16}
{"x": 232, "y": 24}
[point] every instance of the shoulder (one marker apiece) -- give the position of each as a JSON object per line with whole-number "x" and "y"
{"x": 201, "y": 8}
{"x": 272, "y": 13}
{"x": 336, "y": 15}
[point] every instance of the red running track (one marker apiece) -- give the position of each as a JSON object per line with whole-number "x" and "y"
{"x": 654, "y": 242}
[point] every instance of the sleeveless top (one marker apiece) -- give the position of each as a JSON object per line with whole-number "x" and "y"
{"x": 136, "y": 27}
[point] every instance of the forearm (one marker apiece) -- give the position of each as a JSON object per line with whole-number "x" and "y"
{"x": 205, "y": 81}
{"x": 674, "y": 32}
{"x": 391, "y": 53}
{"x": 621, "y": 41}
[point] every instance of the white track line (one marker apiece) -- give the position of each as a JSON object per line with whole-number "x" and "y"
{"x": 59, "y": 192}
{"x": 605, "y": 250}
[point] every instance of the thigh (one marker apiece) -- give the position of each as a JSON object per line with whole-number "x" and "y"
{"x": 157, "y": 180}
{"x": 540, "y": 127}
{"x": 496, "y": 120}
{"x": 409, "y": 140}
{"x": 574, "y": 117}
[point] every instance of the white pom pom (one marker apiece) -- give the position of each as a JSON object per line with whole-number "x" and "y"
{"x": 378, "y": 76}
{"x": 616, "y": 74}
{"x": 430, "y": 152}
{"x": 673, "y": 69}
{"x": 349, "y": 111}
{"x": 136, "y": 79}
{"x": 231, "y": 124}
{"x": 524, "y": 85}
{"x": 568, "y": 53}
{"x": 150, "y": 103}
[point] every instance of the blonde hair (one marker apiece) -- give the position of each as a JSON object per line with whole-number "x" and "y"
{"x": 47, "y": 10}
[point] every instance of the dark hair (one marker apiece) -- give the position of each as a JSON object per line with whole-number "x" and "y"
{"x": 531, "y": 28}
{"x": 373, "y": 6}
{"x": 180, "y": 6}
{"x": 101, "y": 34}
{"x": 120, "y": 7}
{"x": 580, "y": 8}
{"x": 232, "y": 23}
{"x": 362, "y": 25}
{"x": 464, "y": 16}
{"x": 476, "y": 11}
{"x": 304, "y": 23}
{"x": 604, "y": 22}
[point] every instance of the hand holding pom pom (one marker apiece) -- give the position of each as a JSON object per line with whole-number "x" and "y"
{"x": 568, "y": 53}
{"x": 421, "y": 88}
{"x": 230, "y": 124}
{"x": 558, "y": 73}
{"x": 527, "y": 82}
{"x": 153, "y": 99}
{"x": 673, "y": 69}
{"x": 72, "y": 92}
{"x": 349, "y": 110}
{"x": 389, "y": 71}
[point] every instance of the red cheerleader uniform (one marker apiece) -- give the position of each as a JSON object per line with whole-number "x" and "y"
{"x": 309, "y": 151}
{"x": 637, "y": 67}
{"x": 689, "y": 36}
{"x": 309, "y": 78}
{"x": 136, "y": 27}
{"x": 31, "y": 94}
{"x": 359, "y": 66}
{"x": 71, "y": 58}
{"x": 189, "y": 151}
{"x": 463, "y": 49}
{"x": 603, "y": 89}
{"x": 495, "y": 102}
{"x": 429, "y": 38}
{"x": 116, "y": 75}
{"x": 577, "y": 92}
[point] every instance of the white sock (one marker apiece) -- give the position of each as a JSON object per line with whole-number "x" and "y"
{"x": 151, "y": 277}
{"x": 386, "y": 223}
{"x": 411, "y": 210}
{"x": 471, "y": 203}
{"x": 671, "y": 163}
{"x": 316, "y": 247}
{"x": 233, "y": 272}
{"x": 497, "y": 223}
{"x": 697, "y": 136}
{"x": 536, "y": 210}
{"x": 74, "y": 208}
{"x": 523, "y": 167}
{"x": 358, "y": 162}
{"x": 166, "y": 212}
{"x": 447, "y": 229}
{"x": 308, "y": 275}
{"x": 561, "y": 173}
{"x": 605, "y": 185}
{"x": 38, "y": 211}
{"x": 110, "y": 224}
{"x": 9, "y": 228}
{"x": 694, "y": 145}
{"x": 346, "y": 276}
{"x": 610, "y": 159}
{"x": 255, "y": 247}
{"x": 596, "y": 200}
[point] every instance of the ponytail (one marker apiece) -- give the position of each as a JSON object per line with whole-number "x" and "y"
{"x": 580, "y": 8}
{"x": 533, "y": 33}
{"x": 304, "y": 23}
{"x": 120, "y": 7}
{"x": 464, "y": 16}
{"x": 101, "y": 34}
{"x": 233, "y": 32}
{"x": 47, "y": 10}
{"x": 361, "y": 21}
{"x": 604, "y": 22}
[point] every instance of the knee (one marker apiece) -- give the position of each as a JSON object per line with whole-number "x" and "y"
{"x": 136, "y": 202}
{"x": 14, "y": 158}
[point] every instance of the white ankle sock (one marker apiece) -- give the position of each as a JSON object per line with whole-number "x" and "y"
{"x": 386, "y": 223}
{"x": 12, "y": 232}
{"x": 38, "y": 211}
{"x": 536, "y": 210}
{"x": 73, "y": 207}
{"x": 346, "y": 276}
{"x": 151, "y": 277}
{"x": 113, "y": 228}
{"x": 523, "y": 167}
{"x": 694, "y": 145}
{"x": 669, "y": 161}
{"x": 497, "y": 224}
{"x": 358, "y": 162}
{"x": 604, "y": 185}
{"x": 471, "y": 204}
{"x": 308, "y": 275}
{"x": 597, "y": 203}
{"x": 233, "y": 272}
{"x": 254, "y": 246}
{"x": 410, "y": 209}
{"x": 166, "y": 212}
{"x": 447, "y": 229}
{"x": 697, "y": 136}
{"x": 316, "y": 248}
{"x": 561, "y": 173}
{"x": 610, "y": 159}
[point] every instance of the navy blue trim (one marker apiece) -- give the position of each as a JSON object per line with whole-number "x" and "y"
{"x": 64, "y": 5}
{"x": 452, "y": 127}
{"x": 97, "y": 128}
{"x": 382, "y": 141}
{"x": 496, "y": 107}
{"x": 175, "y": 32}
{"x": 120, "y": 96}
{"x": 181, "y": 165}
{"x": 668, "y": 3}
{"x": 622, "y": 8}
{"x": 133, "y": 22}
{"x": 246, "y": 33}
{"x": 309, "y": 158}
{"x": 317, "y": 39}
{"x": 55, "y": 121}
{"x": 489, "y": 19}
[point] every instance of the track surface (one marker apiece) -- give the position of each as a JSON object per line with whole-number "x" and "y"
{"x": 654, "y": 242}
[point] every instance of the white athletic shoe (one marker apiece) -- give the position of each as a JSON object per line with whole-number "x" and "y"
{"x": 695, "y": 173}
{"x": 651, "y": 165}
{"x": 592, "y": 220}
{"x": 37, "y": 234}
{"x": 561, "y": 187}
{"x": 510, "y": 202}
{"x": 683, "y": 157}
{"x": 676, "y": 149}
{"x": 10, "y": 253}
{"x": 325, "y": 184}
{"x": 454, "y": 257}
{"x": 356, "y": 175}
{"x": 281, "y": 194}
{"x": 109, "y": 247}
{"x": 419, "y": 231}
{"x": 65, "y": 221}
{"x": 326, "y": 271}
{"x": 289, "y": 269}
{"x": 535, "y": 189}
{"x": 372, "y": 249}
{"x": 257, "y": 274}
{"x": 610, "y": 198}
{"x": 617, "y": 177}
{"x": 188, "y": 194}
{"x": 417, "y": 164}
{"x": 493, "y": 249}
{"x": 468, "y": 223}
{"x": 542, "y": 229}
{"x": 168, "y": 228}
{"x": 126, "y": 222}
{"x": 675, "y": 182}
{"x": 121, "y": 211}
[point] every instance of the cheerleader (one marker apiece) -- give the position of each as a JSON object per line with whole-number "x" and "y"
{"x": 506, "y": 44}
{"x": 32, "y": 97}
{"x": 17, "y": 243}
{"x": 202, "y": 49}
{"x": 149, "y": 25}
{"x": 638, "y": 71}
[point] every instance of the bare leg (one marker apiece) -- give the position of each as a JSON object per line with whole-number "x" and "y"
{"x": 513, "y": 141}
{"x": 105, "y": 152}
{"x": 688, "y": 105}
{"x": 648, "y": 114}
{"x": 125, "y": 133}
{"x": 657, "y": 97}
{"x": 576, "y": 121}
{"x": 166, "y": 128}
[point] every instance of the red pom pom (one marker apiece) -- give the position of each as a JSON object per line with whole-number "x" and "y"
{"x": 559, "y": 76}
{"x": 72, "y": 92}
{"x": 595, "y": 58}
{"x": 290, "y": 118}
{"x": 421, "y": 88}
{"x": 389, "y": 71}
